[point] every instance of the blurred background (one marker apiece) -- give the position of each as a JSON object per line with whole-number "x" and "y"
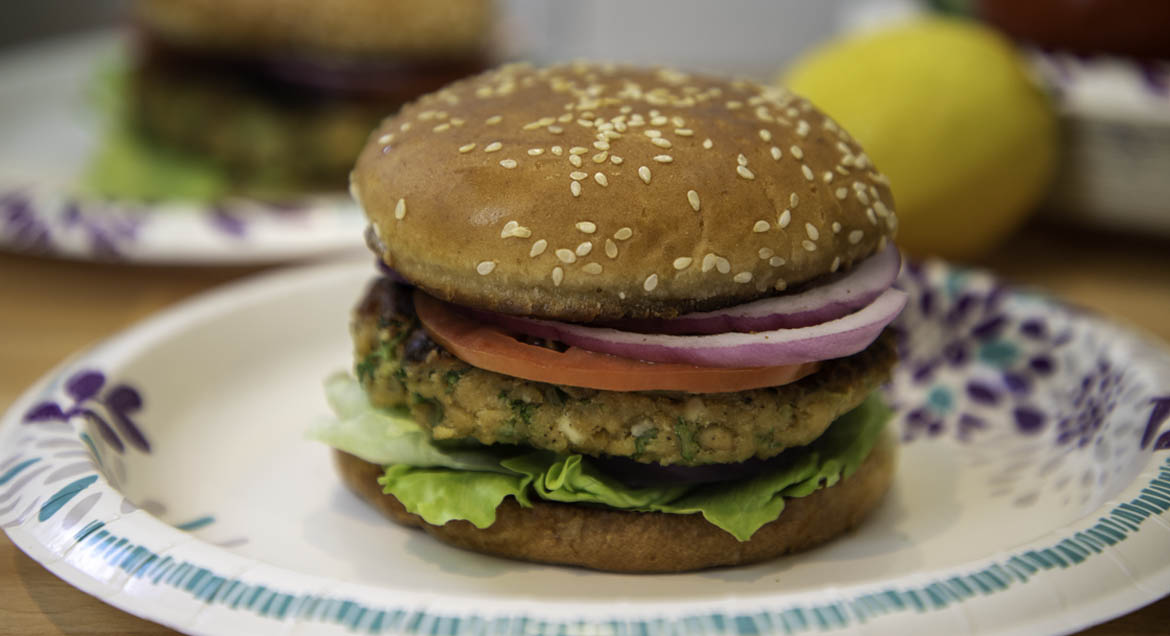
{"x": 1030, "y": 138}
{"x": 1001, "y": 112}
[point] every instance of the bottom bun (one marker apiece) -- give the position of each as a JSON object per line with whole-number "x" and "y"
{"x": 625, "y": 541}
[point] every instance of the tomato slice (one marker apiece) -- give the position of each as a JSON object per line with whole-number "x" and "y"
{"x": 489, "y": 347}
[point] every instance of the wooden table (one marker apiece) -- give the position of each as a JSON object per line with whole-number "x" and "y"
{"x": 50, "y": 309}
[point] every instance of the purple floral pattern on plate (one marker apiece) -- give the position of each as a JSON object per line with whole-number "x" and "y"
{"x": 71, "y": 459}
{"x": 1041, "y": 396}
{"x": 46, "y": 221}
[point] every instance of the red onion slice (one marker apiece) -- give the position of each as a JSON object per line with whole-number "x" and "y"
{"x": 833, "y": 339}
{"x": 838, "y": 297}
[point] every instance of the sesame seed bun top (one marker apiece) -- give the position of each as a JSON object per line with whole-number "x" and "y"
{"x": 345, "y": 28}
{"x": 588, "y": 192}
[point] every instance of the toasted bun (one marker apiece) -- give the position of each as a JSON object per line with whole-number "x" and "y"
{"x": 621, "y": 541}
{"x": 410, "y": 28}
{"x": 583, "y": 192}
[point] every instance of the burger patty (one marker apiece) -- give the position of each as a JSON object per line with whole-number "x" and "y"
{"x": 400, "y": 365}
{"x": 270, "y": 143}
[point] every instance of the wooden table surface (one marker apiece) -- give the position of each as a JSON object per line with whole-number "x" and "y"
{"x": 50, "y": 309}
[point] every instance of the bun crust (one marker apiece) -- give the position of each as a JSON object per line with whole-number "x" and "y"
{"x": 587, "y": 191}
{"x": 407, "y": 28}
{"x": 643, "y": 542}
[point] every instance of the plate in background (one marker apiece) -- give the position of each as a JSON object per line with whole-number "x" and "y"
{"x": 49, "y": 129}
{"x": 166, "y": 473}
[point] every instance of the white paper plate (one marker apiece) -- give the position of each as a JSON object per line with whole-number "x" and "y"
{"x": 48, "y": 130}
{"x": 1032, "y": 495}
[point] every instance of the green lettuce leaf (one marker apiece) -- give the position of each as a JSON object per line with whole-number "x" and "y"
{"x": 440, "y": 484}
{"x": 390, "y": 436}
{"x": 439, "y": 495}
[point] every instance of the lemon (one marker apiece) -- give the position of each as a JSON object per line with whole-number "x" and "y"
{"x": 947, "y": 110}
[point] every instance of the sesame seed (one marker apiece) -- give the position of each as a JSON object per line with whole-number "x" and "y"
{"x": 601, "y": 145}
{"x": 765, "y": 253}
{"x": 385, "y": 139}
{"x": 492, "y": 147}
{"x": 683, "y": 262}
{"x": 707, "y": 143}
{"x": 842, "y": 193}
{"x": 557, "y": 150}
{"x": 683, "y": 132}
{"x": 587, "y": 227}
{"x": 466, "y": 148}
{"x": 722, "y": 265}
{"x": 623, "y": 233}
{"x": 708, "y": 262}
{"x": 793, "y": 200}
{"x": 485, "y": 267}
{"x": 732, "y": 105}
{"x": 808, "y": 245}
{"x": 601, "y": 179}
{"x": 765, "y": 134}
{"x": 578, "y": 150}
{"x": 400, "y": 209}
{"x": 761, "y": 226}
{"x": 615, "y": 160}
{"x": 584, "y": 248}
{"x": 600, "y": 157}
{"x": 776, "y": 154}
{"x": 651, "y": 282}
{"x": 741, "y": 159}
{"x": 812, "y": 231}
{"x": 780, "y": 285}
{"x": 792, "y": 112}
{"x": 863, "y": 197}
{"x": 807, "y": 172}
{"x": 881, "y": 209}
{"x": 576, "y": 161}
{"x": 742, "y": 277}
{"x": 693, "y": 198}
{"x": 661, "y": 142}
{"x": 802, "y": 128}
{"x": 836, "y": 227}
{"x": 652, "y": 133}
{"x": 443, "y": 127}
{"x": 404, "y": 127}
{"x": 663, "y": 158}
{"x": 508, "y": 163}
{"x": 836, "y": 264}
{"x": 827, "y": 176}
{"x": 776, "y": 261}
{"x": 591, "y": 268}
{"x": 493, "y": 120}
{"x": 644, "y": 173}
{"x": 784, "y": 219}
{"x": 566, "y": 256}
{"x": 575, "y": 188}
{"x": 558, "y": 275}
{"x": 538, "y": 248}
{"x": 611, "y": 248}
{"x": 577, "y": 175}
{"x": 658, "y": 121}
{"x": 556, "y": 130}
{"x": 533, "y": 152}
{"x": 796, "y": 152}
{"x": 871, "y": 216}
{"x": 745, "y": 173}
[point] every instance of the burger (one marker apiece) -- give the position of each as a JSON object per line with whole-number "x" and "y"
{"x": 628, "y": 319}
{"x": 281, "y": 94}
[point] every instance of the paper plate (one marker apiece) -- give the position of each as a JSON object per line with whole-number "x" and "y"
{"x": 166, "y": 473}
{"x": 49, "y": 131}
